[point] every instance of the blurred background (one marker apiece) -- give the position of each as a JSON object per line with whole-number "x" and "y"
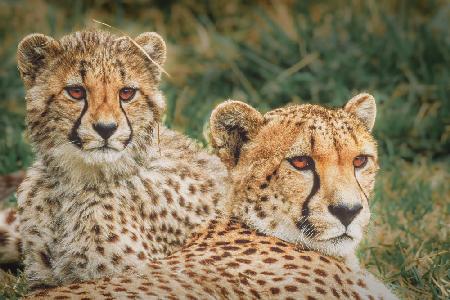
{"x": 273, "y": 53}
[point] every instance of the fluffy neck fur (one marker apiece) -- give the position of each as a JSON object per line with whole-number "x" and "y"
{"x": 68, "y": 163}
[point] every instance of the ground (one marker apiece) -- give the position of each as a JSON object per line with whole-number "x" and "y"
{"x": 270, "y": 55}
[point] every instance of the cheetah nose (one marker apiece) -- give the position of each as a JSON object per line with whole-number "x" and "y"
{"x": 105, "y": 130}
{"x": 344, "y": 213}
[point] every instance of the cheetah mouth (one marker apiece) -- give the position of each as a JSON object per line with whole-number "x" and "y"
{"x": 106, "y": 148}
{"x": 340, "y": 238}
{"x": 103, "y": 149}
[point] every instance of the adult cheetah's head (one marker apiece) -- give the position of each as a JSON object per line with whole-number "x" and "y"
{"x": 92, "y": 96}
{"x": 303, "y": 173}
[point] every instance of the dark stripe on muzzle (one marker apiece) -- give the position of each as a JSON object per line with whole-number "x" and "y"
{"x": 129, "y": 125}
{"x": 304, "y": 224}
{"x": 354, "y": 174}
{"x": 314, "y": 189}
{"x": 73, "y": 135}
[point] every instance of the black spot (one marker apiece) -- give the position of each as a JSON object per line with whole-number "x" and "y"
{"x": 83, "y": 70}
{"x": 45, "y": 259}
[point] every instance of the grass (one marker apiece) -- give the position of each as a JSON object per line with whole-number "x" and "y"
{"x": 304, "y": 51}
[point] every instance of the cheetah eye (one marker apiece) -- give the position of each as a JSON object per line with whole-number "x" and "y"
{"x": 76, "y": 92}
{"x": 360, "y": 161}
{"x": 127, "y": 93}
{"x": 302, "y": 162}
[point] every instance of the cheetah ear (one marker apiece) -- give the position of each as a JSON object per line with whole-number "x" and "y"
{"x": 364, "y": 107}
{"x": 33, "y": 53}
{"x": 154, "y": 45}
{"x": 233, "y": 123}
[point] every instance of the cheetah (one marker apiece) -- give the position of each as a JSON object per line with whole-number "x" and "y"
{"x": 278, "y": 162}
{"x": 111, "y": 187}
{"x": 306, "y": 172}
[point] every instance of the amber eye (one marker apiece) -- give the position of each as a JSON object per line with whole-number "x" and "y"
{"x": 76, "y": 92}
{"x": 302, "y": 162}
{"x": 360, "y": 161}
{"x": 126, "y": 94}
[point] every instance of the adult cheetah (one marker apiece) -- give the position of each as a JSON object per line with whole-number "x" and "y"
{"x": 298, "y": 165}
{"x": 111, "y": 187}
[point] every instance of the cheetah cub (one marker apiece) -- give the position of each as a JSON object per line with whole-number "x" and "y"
{"x": 111, "y": 187}
{"x": 301, "y": 178}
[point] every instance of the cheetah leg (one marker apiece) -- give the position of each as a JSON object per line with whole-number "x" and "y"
{"x": 37, "y": 251}
{"x": 10, "y": 241}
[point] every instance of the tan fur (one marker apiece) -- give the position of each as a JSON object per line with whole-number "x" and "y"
{"x": 232, "y": 260}
{"x": 275, "y": 198}
{"x": 93, "y": 207}
{"x": 10, "y": 241}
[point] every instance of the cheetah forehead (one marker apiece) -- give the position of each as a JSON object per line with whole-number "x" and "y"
{"x": 98, "y": 50}
{"x": 311, "y": 114}
{"x": 321, "y": 127}
{"x": 85, "y": 40}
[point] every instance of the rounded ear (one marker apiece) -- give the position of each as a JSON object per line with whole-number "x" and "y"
{"x": 154, "y": 45}
{"x": 364, "y": 107}
{"x": 233, "y": 123}
{"x": 33, "y": 53}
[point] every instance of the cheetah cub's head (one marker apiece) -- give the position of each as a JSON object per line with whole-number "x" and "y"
{"x": 303, "y": 173}
{"x": 92, "y": 96}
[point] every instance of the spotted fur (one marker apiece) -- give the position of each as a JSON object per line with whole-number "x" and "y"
{"x": 94, "y": 206}
{"x": 312, "y": 206}
{"x": 10, "y": 241}
{"x": 231, "y": 261}
{"x": 237, "y": 257}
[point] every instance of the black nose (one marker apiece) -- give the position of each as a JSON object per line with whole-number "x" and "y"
{"x": 344, "y": 213}
{"x": 105, "y": 130}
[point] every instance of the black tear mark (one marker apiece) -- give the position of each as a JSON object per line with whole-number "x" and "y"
{"x": 73, "y": 135}
{"x": 304, "y": 224}
{"x": 130, "y": 137}
{"x": 354, "y": 174}
{"x": 314, "y": 189}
